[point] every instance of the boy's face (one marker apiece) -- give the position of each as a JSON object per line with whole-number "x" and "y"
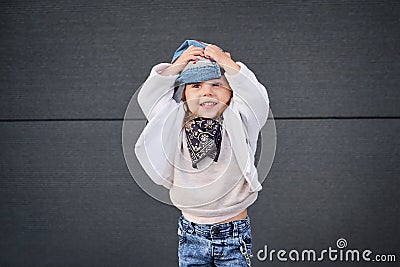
{"x": 208, "y": 99}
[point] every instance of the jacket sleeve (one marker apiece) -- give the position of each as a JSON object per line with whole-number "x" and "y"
{"x": 164, "y": 117}
{"x": 250, "y": 99}
{"x": 156, "y": 92}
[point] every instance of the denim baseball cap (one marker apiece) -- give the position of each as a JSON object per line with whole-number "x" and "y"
{"x": 202, "y": 70}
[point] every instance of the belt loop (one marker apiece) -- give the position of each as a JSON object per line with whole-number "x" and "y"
{"x": 180, "y": 224}
{"x": 191, "y": 227}
{"x": 235, "y": 229}
{"x": 188, "y": 227}
{"x": 210, "y": 232}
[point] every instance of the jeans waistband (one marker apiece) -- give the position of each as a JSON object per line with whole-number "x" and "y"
{"x": 215, "y": 231}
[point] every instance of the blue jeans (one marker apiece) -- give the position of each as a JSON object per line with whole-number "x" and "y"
{"x": 226, "y": 244}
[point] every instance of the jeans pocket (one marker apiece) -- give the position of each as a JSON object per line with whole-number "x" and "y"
{"x": 246, "y": 242}
{"x": 246, "y": 248}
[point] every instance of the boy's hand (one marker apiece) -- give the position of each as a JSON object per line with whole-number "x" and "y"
{"x": 223, "y": 59}
{"x": 190, "y": 54}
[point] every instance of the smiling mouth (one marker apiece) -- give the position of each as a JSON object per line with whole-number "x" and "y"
{"x": 208, "y": 104}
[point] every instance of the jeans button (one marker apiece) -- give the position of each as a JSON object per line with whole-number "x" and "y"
{"x": 216, "y": 230}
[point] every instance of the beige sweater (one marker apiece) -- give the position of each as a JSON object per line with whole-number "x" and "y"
{"x": 214, "y": 192}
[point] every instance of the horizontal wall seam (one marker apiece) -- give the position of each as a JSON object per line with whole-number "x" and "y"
{"x": 275, "y": 118}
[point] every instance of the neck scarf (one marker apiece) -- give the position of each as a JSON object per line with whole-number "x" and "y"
{"x": 203, "y": 137}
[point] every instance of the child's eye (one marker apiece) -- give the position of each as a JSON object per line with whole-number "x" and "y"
{"x": 216, "y": 84}
{"x": 195, "y": 85}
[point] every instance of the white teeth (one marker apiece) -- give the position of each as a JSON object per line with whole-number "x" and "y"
{"x": 208, "y": 104}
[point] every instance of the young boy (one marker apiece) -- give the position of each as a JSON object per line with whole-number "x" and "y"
{"x": 200, "y": 143}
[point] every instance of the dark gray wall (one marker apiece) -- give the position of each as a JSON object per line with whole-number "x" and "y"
{"x": 68, "y": 71}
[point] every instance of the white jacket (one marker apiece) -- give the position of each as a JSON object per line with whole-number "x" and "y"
{"x": 160, "y": 139}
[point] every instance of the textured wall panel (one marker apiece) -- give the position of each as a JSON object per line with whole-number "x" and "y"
{"x": 67, "y": 198}
{"x": 81, "y": 60}
{"x": 69, "y": 69}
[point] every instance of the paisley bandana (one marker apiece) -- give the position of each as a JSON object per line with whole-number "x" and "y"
{"x": 203, "y": 137}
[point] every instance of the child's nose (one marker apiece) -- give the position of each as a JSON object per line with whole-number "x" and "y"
{"x": 207, "y": 89}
